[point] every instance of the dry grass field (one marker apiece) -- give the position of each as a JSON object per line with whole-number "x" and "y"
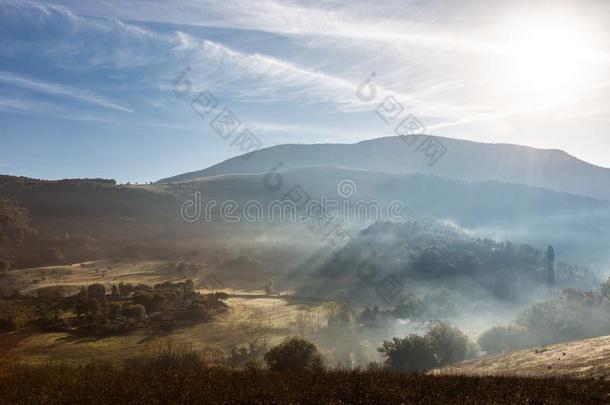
{"x": 264, "y": 320}
{"x": 587, "y": 358}
{"x": 100, "y": 271}
{"x": 252, "y": 316}
{"x": 102, "y": 384}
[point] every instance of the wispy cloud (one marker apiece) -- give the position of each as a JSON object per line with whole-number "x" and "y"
{"x": 443, "y": 62}
{"x": 49, "y": 110}
{"x": 307, "y": 132}
{"x": 56, "y": 33}
{"x": 361, "y": 21}
{"x": 265, "y": 78}
{"x": 59, "y": 90}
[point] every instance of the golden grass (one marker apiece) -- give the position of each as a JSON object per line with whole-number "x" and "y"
{"x": 140, "y": 384}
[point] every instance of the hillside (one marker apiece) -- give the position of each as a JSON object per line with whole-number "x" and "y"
{"x": 579, "y": 358}
{"x": 105, "y": 219}
{"x": 431, "y": 270}
{"x": 496, "y": 210}
{"x": 550, "y": 169}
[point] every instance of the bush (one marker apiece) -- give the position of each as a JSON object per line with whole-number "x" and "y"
{"x": 294, "y": 354}
{"x": 249, "y": 357}
{"x": 503, "y": 338}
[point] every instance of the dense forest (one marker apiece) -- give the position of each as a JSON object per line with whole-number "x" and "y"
{"x": 443, "y": 265}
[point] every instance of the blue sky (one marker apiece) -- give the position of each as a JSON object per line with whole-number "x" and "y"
{"x": 86, "y": 86}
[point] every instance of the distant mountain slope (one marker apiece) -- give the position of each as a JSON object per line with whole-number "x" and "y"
{"x": 579, "y": 358}
{"x": 550, "y": 169}
{"x": 575, "y": 225}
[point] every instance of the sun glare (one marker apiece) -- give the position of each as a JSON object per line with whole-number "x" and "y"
{"x": 549, "y": 59}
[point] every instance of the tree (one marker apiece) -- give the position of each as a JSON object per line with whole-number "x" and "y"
{"x": 50, "y": 255}
{"x": 294, "y": 354}
{"x": 93, "y": 309}
{"x": 550, "y": 266}
{"x": 113, "y": 309}
{"x": 448, "y": 343}
{"x": 136, "y": 312}
{"x": 5, "y": 265}
{"x": 14, "y": 222}
{"x": 269, "y": 290}
{"x": 96, "y": 290}
{"x": 503, "y": 338}
{"x": 413, "y": 353}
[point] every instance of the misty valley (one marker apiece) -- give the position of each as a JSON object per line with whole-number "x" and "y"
{"x": 304, "y": 202}
{"x": 470, "y": 267}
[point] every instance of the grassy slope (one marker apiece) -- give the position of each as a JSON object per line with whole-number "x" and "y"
{"x": 75, "y": 275}
{"x": 247, "y": 320}
{"x": 579, "y": 358}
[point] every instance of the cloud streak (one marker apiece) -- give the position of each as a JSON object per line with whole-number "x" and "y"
{"x": 59, "y": 90}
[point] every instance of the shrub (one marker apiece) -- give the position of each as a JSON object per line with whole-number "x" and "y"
{"x": 294, "y": 354}
{"x": 249, "y": 357}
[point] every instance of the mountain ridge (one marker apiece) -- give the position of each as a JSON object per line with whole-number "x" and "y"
{"x": 551, "y": 169}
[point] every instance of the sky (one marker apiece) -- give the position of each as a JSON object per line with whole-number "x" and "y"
{"x": 105, "y": 88}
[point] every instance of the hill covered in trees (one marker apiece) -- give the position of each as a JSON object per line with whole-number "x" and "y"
{"x": 430, "y": 266}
